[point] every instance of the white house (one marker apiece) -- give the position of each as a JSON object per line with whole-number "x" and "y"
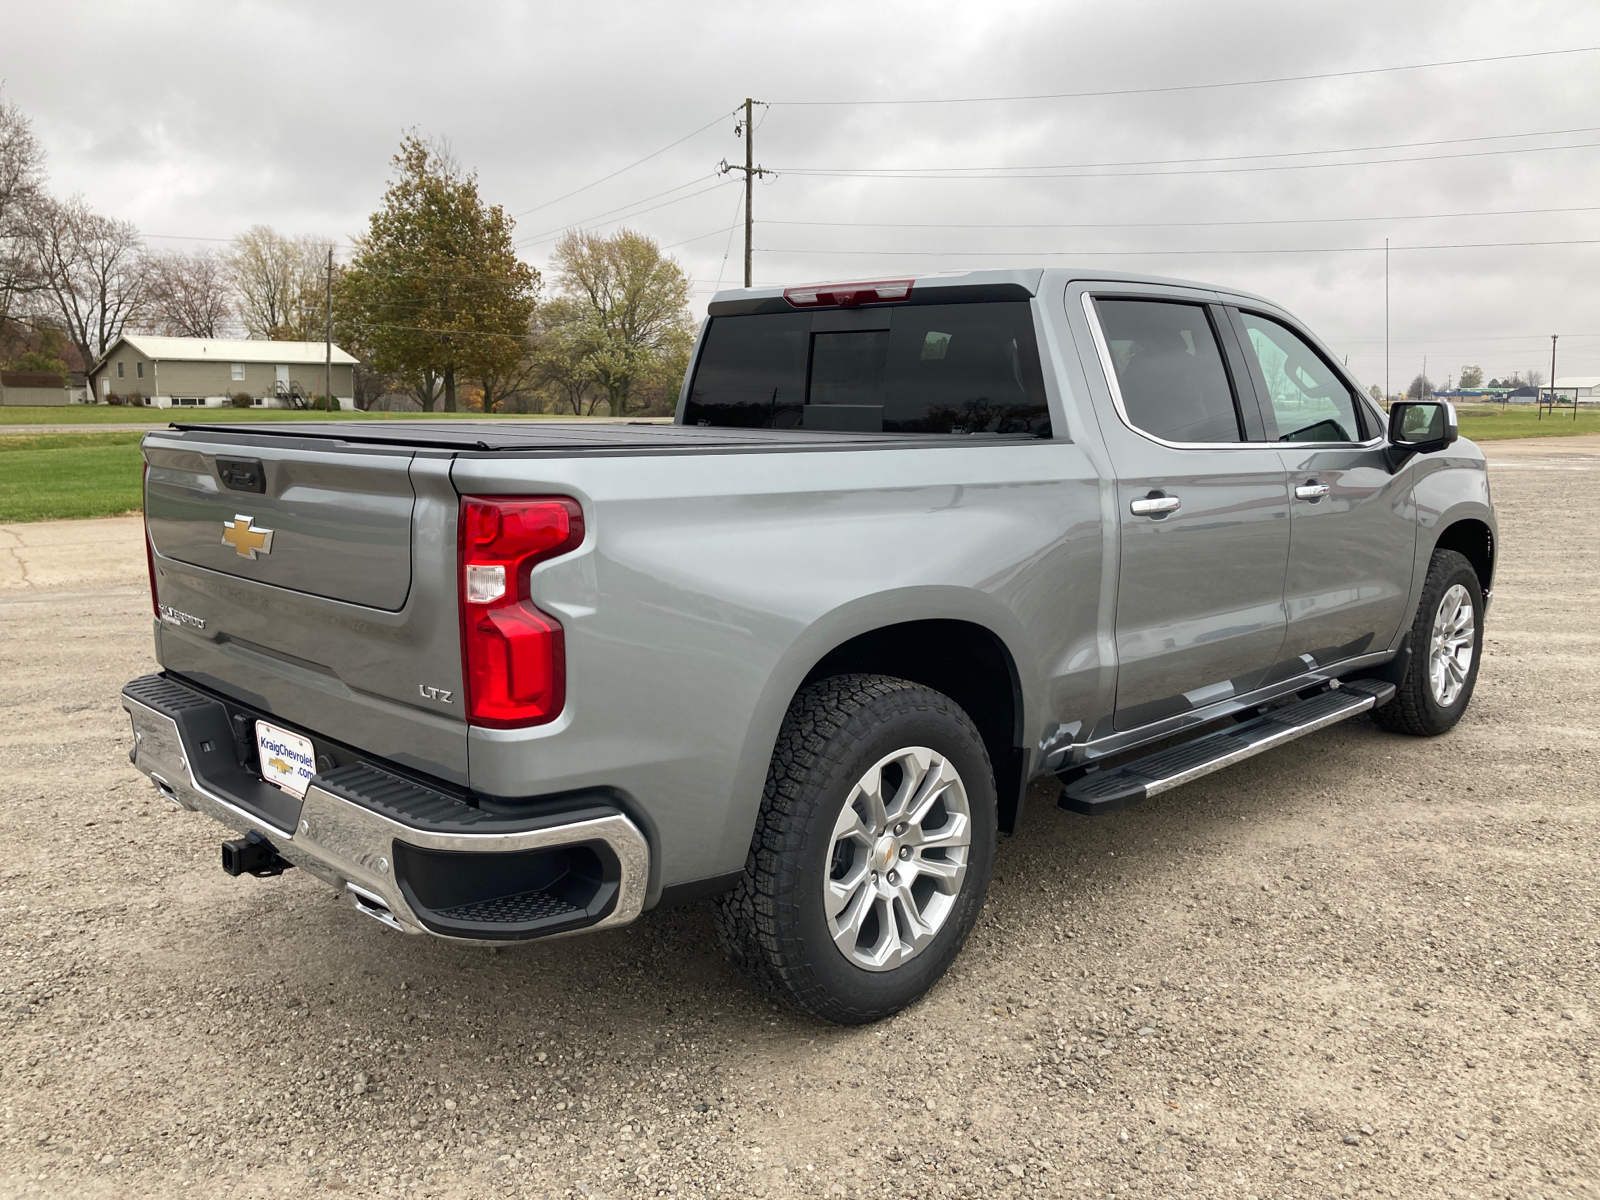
{"x": 172, "y": 372}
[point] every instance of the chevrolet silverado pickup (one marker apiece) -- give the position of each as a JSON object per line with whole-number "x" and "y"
{"x": 907, "y": 546}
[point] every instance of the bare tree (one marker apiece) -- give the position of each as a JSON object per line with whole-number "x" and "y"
{"x": 189, "y": 295}
{"x": 92, "y": 270}
{"x": 279, "y": 282}
{"x": 21, "y": 188}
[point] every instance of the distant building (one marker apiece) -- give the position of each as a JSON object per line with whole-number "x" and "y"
{"x": 1583, "y": 387}
{"x": 175, "y": 372}
{"x": 33, "y": 388}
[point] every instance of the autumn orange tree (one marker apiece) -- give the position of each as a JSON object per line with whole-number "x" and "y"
{"x": 435, "y": 291}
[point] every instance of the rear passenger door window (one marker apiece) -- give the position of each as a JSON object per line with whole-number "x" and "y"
{"x": 1170, "y": 371}
{"x": 1309, "y": 399}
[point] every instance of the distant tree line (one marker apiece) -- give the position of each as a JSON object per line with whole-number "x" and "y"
{"x": 434, "y": 301}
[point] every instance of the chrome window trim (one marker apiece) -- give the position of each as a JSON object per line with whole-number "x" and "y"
{"x": 1109, "y": 368}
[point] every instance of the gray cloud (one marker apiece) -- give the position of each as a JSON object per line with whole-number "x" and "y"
{"x": 202, "y": 119}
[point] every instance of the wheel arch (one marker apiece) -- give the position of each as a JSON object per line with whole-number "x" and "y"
{"x": 1474, "y": 540}
{"x": 867, "y": 634}
{"x": 964, "y": 660}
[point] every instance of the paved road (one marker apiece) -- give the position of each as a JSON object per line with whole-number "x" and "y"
{"x": 1362, "y": 965}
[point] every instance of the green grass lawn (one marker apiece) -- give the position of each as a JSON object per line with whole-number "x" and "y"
{"x": 1490, "y": 422}
{"x": 105, "y": 414}
{"x": 51, "y": 477}
{"x": 46, "y": 477}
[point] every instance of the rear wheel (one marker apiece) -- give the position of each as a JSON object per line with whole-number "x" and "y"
{"x": 872, "y": 852}
{"x": 1446, "y": 644}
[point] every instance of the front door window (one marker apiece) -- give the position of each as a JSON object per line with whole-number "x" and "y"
{"x": 1310, "y": 402}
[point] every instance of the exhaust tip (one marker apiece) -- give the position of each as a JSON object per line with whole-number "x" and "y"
{"x": 374, "y": 905}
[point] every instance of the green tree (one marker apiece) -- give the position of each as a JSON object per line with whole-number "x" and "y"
{"x": 49, "y": 355}
{"x": 435, "y": 288}
{"x": 625, "y": 313}
{"x": 1471, "y": 377}
{"x": 1420, "y": 388}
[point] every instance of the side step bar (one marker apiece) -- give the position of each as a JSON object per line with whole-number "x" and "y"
{"x": 1106, "y": 791}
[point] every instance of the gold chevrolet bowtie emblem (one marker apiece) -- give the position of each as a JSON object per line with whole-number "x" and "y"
{"x": 243, "y": 536}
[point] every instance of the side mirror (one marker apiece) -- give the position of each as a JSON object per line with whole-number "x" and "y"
{"x": 1420, "y": 427}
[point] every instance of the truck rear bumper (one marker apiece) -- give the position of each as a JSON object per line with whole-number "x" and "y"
{"x": 413, "y": 858}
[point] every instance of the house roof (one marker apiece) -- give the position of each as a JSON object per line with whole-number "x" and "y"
{"x": 227, "y": 350}
{"x": 1578, "y": 381}
{"x": 31, "y": 379}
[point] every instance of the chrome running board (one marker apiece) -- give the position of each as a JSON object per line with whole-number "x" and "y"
{"x": 1107, "y": 790}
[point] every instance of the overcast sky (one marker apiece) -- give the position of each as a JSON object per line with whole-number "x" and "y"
{"x": 197, "y": 120}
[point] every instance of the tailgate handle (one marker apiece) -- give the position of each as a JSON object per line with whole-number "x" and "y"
{"x": 242, "y": 474}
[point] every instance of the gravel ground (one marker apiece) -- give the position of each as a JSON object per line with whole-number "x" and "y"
{"x": 1360, "y": 965}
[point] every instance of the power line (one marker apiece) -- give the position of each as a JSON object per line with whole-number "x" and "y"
{"x": 700, "y": 237}
{"x": 653, "y": 154}
{"x": 1165, "y": 162}
{"x": 887, "y": 173}
{"x": 1118, "y": 253}
{"x": 1198, "y": 87}
{"x": 1503, "y": 212}
{"x": 626, "y": 216}
{"x": 619, "y": 208}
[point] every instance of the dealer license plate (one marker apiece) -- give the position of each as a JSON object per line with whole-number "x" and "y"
{"x": 286, "y": 758}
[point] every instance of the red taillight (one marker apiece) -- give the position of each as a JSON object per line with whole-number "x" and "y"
{"x": 149, "y": 548}
{"x": 848, "y": 295}
{"x": 513, "y": 656}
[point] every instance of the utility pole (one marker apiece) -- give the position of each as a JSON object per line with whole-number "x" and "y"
{"x": 1386, "y": 392}
{"x": 328, "y": 349}
{"x": 747, "y": 129}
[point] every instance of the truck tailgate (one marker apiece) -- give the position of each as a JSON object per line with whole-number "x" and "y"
{"x": 315, "y": 582}
{"x": 341, "y": 523}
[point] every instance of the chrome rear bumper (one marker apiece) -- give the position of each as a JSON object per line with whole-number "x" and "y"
{"x": 354, "y": 848}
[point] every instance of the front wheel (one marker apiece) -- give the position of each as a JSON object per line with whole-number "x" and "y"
{"x": 1446, "y": 644}
{"x": 872, "y": 851}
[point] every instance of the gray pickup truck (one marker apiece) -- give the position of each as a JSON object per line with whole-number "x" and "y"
{"x": 907, "y": 546}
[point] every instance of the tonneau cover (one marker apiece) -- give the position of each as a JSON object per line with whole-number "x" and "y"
{"x": 563, "y": 437}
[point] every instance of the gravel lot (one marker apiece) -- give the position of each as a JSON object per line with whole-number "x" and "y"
{"x": 1360, "y": 965}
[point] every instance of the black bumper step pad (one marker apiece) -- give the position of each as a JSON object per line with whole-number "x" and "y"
{"x": 1106, "y": 791}
{"x": 525, "y": 908}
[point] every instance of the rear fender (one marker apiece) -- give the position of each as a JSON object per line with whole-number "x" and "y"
{"x": 861, "y": 616}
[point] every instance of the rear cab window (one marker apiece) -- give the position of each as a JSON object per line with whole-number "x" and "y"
{"x": 970, "y": 368}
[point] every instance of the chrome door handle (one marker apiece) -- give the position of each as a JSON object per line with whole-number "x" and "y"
{"x": 1311, "y": 491}
{"x": 1154, "y": 506}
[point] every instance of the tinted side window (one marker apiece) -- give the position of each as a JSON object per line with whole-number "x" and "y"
{"x": 1170, "y": 371}
{"x": 940, "y": 368}
{"x": 1309, "y": 400}
{"x": 752, "y": 372}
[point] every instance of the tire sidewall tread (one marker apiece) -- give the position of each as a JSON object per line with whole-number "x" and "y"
{"x": 1413, "y": 709}
{"x": 771, "y": 923}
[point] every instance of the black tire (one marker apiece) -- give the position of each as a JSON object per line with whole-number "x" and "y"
{"x": 1415, "y": 709}
{"x": 773, "y": 924}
